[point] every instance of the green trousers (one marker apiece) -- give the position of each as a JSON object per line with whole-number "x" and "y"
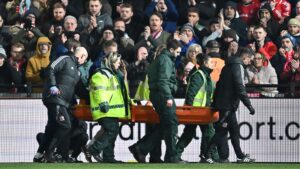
{"x": 167, "y": 129}
{"x": 189, "y": 133}
{"x": 106, "y": 142}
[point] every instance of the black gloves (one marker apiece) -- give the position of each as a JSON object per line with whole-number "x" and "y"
{"x": 251, "y": 109}
{"x": 43, "y": 73}
{"x": 104, "y": 107}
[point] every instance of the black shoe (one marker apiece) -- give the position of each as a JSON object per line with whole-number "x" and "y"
{"x": 112, "y": 161}
{"x": 94, "y": 154}
{"x": 135, "y": 151}
{"x": 246, "y": 159}
{"x": 67, "y": 160}
{"x": 39, "y": 159}
{"x": 155, "y": 160}
{"x": 223, "y": 161}
{"x": 87, "y": 154}
{"x": 206, "y": 159}
{"x": 50, "y": 158}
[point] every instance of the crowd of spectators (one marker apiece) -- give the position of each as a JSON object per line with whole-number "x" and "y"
{"x": 34, "y": 32}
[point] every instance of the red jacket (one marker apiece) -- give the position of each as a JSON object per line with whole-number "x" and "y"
{"x": 248, "y": 12}
{"x": 268, "y": 50}
{"x": 288, "y": 75}
{"x": 281, "y": 10}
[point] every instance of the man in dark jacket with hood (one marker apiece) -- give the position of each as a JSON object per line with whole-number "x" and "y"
{"x": 230, "y": 90}
{"x": 58, "y": 97}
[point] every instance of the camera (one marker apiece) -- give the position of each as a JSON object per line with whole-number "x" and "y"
{"x": 27, "y": 24}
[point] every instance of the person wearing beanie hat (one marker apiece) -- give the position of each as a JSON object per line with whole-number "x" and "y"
{"x": 293, "y": 28}
{"x": 265, "y": 18}
{"x": 230, "y": 33}
{"x": 294, "y": 21}
{"x": 280, "y": 9}
{"x": 2, "y": 52}
{"x": 233, "y": 21}
{"x": 187, "y": 26}
{"x": 285, "y": 54}
{"x": 230, "y": 4}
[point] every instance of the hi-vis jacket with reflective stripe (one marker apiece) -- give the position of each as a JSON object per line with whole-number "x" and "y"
{"x": 143, "y": 92}
{"x": 105, "y": 87}
{"x": 200, "y": 89}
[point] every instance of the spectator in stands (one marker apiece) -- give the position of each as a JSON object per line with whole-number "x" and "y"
{"x": 229, "y": 16}
{"x": 280, "y": 9}
{"x": 124, "y": 41}
{"x": 248, "y": 10}
{"x": 36, "y": 70}
{"x": 284, "y": 55}
{"x": 212, "y": 50}
{"x": 94, "y": 19}
{"x": 68, "y": 31}
{"x": 267, "y": 21}
{"x": 18, "y": 61}
{"x": 260, "y": 73}
{"x": 137, "y": 71}
{"x": 5, "y": 37}
{"x": 108, "y": 47}
{"x": 186, "y": 37}
{"x": 188, "y": 62}
{"x": 262, "y": 43}
{"x": 154, "y": 35}
{"x": 107, "y": 34}
{"x": 134, "y": 27}
{"x": 8, "y": 75}
{"x": 74, "y": 8}
{"x": 194, "y": 19}
{"x": 168, "y": 10}
{"x": 215, "y": 32}
{"x": 291, "y": 74}
{"x": 54, "y": 27}
{"x": 228, "y": 36}
{"x": 29, "y": 33}
{"x": 206, "y": 8}
{"x": 293, "y": 28}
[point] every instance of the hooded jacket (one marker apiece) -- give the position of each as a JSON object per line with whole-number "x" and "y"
{"x": 230, "y": 88}
{"x": 37, "y": 62}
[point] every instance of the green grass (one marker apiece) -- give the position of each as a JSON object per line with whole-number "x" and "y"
{"x": 149, "y": 166}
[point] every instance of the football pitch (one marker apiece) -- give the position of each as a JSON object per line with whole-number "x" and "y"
{"x": 150, "y": 166}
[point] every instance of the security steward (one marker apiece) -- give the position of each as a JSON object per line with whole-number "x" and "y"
{"x": 109, "y": 102}
{"x": 162, "y": 84}
{"x": 58, "y": 97}
{"x": 199, "y": 94}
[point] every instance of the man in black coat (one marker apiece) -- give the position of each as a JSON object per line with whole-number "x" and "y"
{"x": 58, "y": 96}
{"x": 230, "y": 90}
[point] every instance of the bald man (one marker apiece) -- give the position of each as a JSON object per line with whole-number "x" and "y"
{"x": 58, "y": 97}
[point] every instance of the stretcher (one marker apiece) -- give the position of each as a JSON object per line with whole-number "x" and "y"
{"x": 146, "y": 114}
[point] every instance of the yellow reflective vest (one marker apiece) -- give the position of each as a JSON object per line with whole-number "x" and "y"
{"x": 143, "y": 92}
{"x": 104, "y": 87}
{"x": 201, "y": 96}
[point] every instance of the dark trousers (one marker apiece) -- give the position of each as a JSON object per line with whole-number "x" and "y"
{"x": 189, "y": 133}
{"x": 167, "y": 129}
{"x": 227, "y": 123}
{"x": 155, "y": 153}
{"x": 106, "y": 142}
{"x": 57, "y": 130}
